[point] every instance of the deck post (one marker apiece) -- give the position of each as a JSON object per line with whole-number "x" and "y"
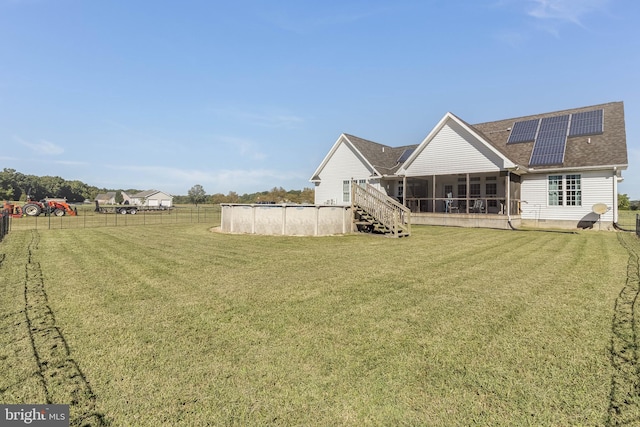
{"x": 468, "y": 193}
{"x": 404, "y": 191}
{"x": 507, "y": 186}
{"x": 353, "y": 226}
{"x": 433, "y": 195}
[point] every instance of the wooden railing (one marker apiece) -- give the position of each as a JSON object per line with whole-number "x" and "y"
{"x": 383, "y": 208}
{"x": 459, "y": 205}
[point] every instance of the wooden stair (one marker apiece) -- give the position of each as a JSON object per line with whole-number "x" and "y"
{"x": 375, "y": 212}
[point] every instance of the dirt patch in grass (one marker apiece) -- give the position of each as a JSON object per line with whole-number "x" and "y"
{"x": 57, "y": 375}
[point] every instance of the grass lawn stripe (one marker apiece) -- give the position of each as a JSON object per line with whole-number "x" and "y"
{"x": 176, "y": 324}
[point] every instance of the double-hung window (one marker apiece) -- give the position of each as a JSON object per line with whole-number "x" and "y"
{"x": 564, "y": 190}
{"x": 573, "y": 190}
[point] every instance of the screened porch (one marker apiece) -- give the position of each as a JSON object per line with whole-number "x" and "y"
{"x": 481, "y": 193}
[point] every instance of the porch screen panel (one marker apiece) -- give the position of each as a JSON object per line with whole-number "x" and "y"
{"x": 491, "y": 190}
{"x": 462, "y": 190}
{"x": 474, "y": 190}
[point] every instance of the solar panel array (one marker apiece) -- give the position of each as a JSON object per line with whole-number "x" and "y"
{"x": 523, "y": 131}
{"x": 587, "y": 123}
{"x": 550, "y": 141}
{"x": 550, "y": 134}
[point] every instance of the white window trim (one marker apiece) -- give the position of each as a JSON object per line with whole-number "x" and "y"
{"x": 564, "y": 192}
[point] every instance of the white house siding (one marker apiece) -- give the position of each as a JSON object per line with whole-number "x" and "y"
{"x": 344, "y": 164}
{"x": 596, "y": 187}
{"x": 154, "y": 200}
{"x": 454, "y": 150}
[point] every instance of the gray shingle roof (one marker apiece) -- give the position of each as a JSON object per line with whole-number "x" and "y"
{"x": 144, "y": 194}
{"x": 606, "y": 149}
{"x": 382, "y": 157}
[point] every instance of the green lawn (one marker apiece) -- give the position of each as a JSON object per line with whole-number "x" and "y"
{"x": 177, "y": 325}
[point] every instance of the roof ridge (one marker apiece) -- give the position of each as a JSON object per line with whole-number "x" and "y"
{"x": 551, "y": 113}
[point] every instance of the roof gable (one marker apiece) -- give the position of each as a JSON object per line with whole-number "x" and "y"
{"x": 453, "y": 146}
{"x": 379, "y": 158}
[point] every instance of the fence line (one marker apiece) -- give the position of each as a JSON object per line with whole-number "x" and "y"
{"x": 91, "y": 219}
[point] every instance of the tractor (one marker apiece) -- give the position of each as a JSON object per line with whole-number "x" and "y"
{"x": 55, "y": 207}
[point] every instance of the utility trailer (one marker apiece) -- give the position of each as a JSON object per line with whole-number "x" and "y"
{"x": 130, "y": 209}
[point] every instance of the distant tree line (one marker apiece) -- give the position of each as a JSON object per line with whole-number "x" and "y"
{"x": 197, "y": 195}
{"x": 16, "y": 186}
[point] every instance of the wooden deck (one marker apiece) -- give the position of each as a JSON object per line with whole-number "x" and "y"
{"x": 466, "y": 220}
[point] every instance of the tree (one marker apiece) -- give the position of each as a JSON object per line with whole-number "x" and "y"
{"x": 197, "y": 194}
{"x": 623, "y": 201}
{"x": 218, "y": 198}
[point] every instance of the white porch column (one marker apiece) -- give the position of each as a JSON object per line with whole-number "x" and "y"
{"x": 468, "y": 192}
{"x": 507, "y": 186}
{"x": 404, "y": 191}
{"x": 433, "y": 196}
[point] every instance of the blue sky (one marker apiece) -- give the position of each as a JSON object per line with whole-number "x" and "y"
{"x": 248, "y": 95}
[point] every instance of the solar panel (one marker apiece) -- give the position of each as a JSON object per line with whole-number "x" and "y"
{"x": 405, "y": 155}
{"x": 550, "y": 141}
{"x": 587, "y": 123}
{"x": 524, "y": 131}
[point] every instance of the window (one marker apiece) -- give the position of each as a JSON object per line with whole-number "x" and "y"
{"x": 573, "y": 192}
{"x": 346, "y": 190}
{"x": 565, "y": 190}
{"x": 555, "y": 190}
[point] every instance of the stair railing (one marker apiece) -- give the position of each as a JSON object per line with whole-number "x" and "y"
{"x": 381, "y": 207}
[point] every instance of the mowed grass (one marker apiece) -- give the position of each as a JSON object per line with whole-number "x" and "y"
{"x": 177, "y": 325}
{"x": 627, "y": 219}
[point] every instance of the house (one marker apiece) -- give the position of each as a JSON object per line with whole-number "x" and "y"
{"x": 108, "y": 198}
{"x": 152, "y": 199}
{"x": 557, "y": 169}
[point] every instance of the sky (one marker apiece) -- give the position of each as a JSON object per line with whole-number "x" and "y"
{"x": 248, "y": 95}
